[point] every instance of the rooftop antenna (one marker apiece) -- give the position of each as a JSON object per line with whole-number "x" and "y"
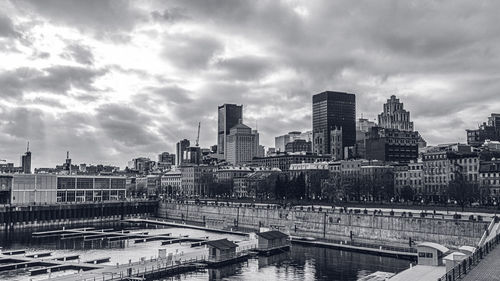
{"x": 67, "y": 154}
{"x": 28, "y": 147}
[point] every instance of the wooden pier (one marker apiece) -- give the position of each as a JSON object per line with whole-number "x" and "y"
{"x": 9, "y": 262}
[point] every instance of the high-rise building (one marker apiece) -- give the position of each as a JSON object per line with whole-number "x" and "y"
{"x": 333, "y": 110}
{"x": 394, "y": 139}
{"x": 180, "y": 147}
{"x": 67, "y": 164}
{"x": 494, "y": 121}
{"x": 166, "y": 157}
{"x": 229, "y": 114}
{"x": 166, "y": 161}
{"x": 363, "y": 126}
{"x": 395, "y": 116}
{"x": 26, "y": 161}
{"x": 192, "y": 155}
{"x": 242, "y": 144}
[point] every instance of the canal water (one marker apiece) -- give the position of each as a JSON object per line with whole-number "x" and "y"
{"x": 300, "y": 263}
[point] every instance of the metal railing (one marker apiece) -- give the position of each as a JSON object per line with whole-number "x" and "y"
{"x": 160, "y": 266}
{"x": 465, "y": 266}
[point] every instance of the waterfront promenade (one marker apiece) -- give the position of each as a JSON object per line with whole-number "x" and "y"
{"x": 487, "y": 270}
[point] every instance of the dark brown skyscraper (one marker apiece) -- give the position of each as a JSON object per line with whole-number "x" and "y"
{"x": 229, "y": 115}
{"x": 333, "y": 110}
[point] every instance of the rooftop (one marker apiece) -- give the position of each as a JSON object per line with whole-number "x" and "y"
{"x": 223, "y": 244}
{"x": 273, "y": 234}
{"x": 436, "y": 246}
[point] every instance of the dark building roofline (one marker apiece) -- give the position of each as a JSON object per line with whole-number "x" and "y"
{"x": 222, "y": 244}
{"x": 273, "y": 234}
{"x": 334, "y": 95}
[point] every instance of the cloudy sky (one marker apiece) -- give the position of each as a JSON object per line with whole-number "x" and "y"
{"x": 112, "y": 80}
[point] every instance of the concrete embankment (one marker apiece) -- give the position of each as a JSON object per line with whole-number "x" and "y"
{"x": 328, "y": 224}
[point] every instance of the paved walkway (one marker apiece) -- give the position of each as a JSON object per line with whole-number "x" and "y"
{"x": 488, "y": 269}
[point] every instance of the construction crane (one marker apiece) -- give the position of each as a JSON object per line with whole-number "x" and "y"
{"x": 198, "y": 136}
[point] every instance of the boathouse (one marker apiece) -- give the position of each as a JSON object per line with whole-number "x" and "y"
{"x": 270, "y": 240}
{"x": 221, "y": 250}
{"x": 431, "y": 253}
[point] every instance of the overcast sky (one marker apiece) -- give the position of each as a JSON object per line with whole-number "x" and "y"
{"x": 114, "y": 80}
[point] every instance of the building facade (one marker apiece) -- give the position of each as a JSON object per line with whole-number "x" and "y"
{"x": 26, "y": 162}
{"x": 392, "y": 145}
{"x": 298, "y": 146}
{"x": 395, "y": 116}
{"x": 440, "y": 167}
{"x": 49, "y": 188}
{"x": 196, "y": 180}
{"x": 180, "y": 148}
{"x": 416, "y": 177}
{"x": 283, "y": 161}
{"x": 280, "y": 142}
{"x": 486, "y": 131}
{"x": 489, "y": 174}
{"x": 333, "y": 110}
{"x": 171, "y": 182}
{"x": 242, "y": 144}
{"x": 228, "y": 117}
{"x": 314, "y": 174}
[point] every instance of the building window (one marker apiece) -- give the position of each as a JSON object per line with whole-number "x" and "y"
{"x": 65, "y": 183}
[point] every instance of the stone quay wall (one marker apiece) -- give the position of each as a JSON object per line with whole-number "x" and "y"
{"x": 328, "y": 224}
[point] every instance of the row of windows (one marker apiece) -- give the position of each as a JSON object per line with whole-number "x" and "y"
{"x": 88, "y": 183}
{"x": 90, "y": 196}
{"x": 490, "y": 175}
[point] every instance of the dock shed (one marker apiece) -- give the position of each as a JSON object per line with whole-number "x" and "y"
{"x": 221, "y": 250}
{"x": 272, "y": 240}
{"x": 431, "y": 253}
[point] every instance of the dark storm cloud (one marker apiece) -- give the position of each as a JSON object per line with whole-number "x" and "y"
{"x": 7, "y": 27}
{"x": 56, "y": 80}
{"x": 244, "y": 67}
{"x": 439, "y": 57}
{"x": 174, "y": 94}
{"x": 126, "y": 126}
{"x": 24, "y": 123}
{"x": 79, "y": 53}
{"x": 191, "y": 52}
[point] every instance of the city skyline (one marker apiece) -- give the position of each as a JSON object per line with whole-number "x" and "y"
{"x": 118, "y": 80}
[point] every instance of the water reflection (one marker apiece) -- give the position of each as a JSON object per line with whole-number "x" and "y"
{"x": 300, "y": 263}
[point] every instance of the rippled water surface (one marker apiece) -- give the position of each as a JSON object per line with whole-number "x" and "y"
{"x": 300, "y": 263}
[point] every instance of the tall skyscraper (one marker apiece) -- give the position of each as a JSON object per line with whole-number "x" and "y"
{"x": 395, "y": 116}
{"x": 180, "y": 148}
{"x": 242, "y": 144}
{"x": 26, "y": 161}
{"x": 394, "y": 139}
{"x": 333, "y": 111}
{"x": 229, "y": 114}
